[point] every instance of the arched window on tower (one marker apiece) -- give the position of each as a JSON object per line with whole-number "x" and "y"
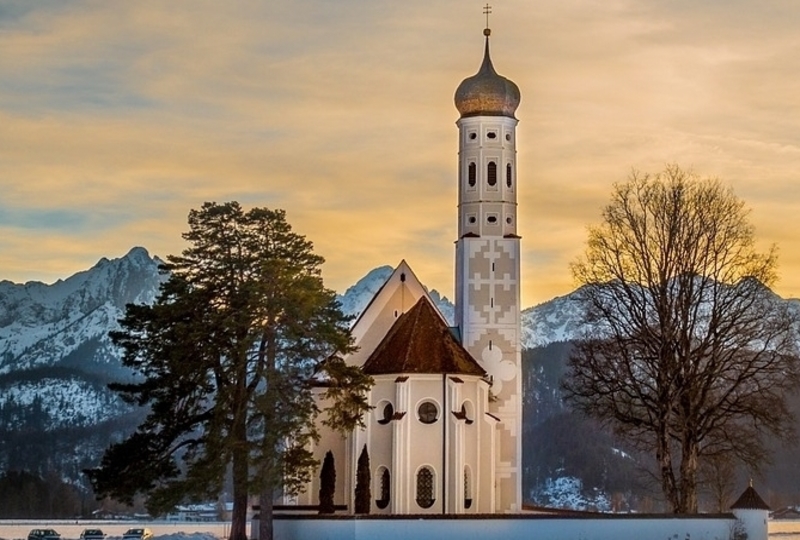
{"x": 491, "y": 173}
{"x": 508, "y": 175}
{"x": 425, "y": 488}
{"x": 471, "y": 173}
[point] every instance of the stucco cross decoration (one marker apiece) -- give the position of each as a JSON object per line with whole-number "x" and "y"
{"x": 500, "y": 370}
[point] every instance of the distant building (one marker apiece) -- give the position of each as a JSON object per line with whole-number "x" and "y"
{"x": 201, "y": 512}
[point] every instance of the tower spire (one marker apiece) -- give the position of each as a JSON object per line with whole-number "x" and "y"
{"x": 487, "y": 307}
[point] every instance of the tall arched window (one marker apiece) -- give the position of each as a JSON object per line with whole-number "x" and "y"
{"x": 508, "y": 174}
{"x": 387, "y": 412}
{"x": 425, "y": 488}
{"x": 491, "y": 173}
{"x": 472, "y": 173}
{"x": 467, "y": 487}
{"x": 384, "y": 488}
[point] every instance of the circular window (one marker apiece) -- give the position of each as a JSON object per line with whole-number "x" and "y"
{"x": 508, "y": 136}
{"x": 472, "y": 219}
{"x": 473, "y": 136}
{"x": 427, "y": 412}
{"x": 508, "y": 220}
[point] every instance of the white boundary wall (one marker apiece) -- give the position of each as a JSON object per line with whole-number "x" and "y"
{"x": 508, "y": 527}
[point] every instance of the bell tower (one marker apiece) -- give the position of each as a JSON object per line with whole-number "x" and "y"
{"x": 488, "y": 259}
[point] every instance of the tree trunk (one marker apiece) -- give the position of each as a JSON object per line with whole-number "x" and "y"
{"x": 689, "y": 476}
{"x": 664, "y": 457}
{"x": 240, "y": 480}
{"x": 265, "y": 528}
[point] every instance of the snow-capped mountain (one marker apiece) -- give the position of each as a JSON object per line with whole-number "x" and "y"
{"x": 356, "y": 298}
{"x": 65, "y": 326}
{"x": 41, "y": 325}
{"x": 554, "y": 321}
{"x": 55, "y": 353}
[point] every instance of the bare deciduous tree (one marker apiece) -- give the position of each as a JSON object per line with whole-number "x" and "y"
{"x": 690, "y": 353}
{"x": 718, "y": 475}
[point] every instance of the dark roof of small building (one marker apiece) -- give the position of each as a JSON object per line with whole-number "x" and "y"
{"x": 750, "y": 500}
{"x": 421, "y": 342}
{"x": 789, "y": 512}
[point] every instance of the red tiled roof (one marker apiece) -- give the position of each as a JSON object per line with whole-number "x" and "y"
{"x": 420, "y": 342}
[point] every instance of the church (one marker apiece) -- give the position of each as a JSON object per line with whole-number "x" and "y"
{"x": 443, "y": 435}
{"x": 444, "y": 432}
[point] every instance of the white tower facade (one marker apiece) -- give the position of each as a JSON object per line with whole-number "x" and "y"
{"x": 488, "y": 259}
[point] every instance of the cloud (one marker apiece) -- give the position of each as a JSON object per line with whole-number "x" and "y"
{"x": 116, "y": 118}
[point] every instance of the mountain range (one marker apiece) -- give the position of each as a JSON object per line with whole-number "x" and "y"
{"x": 56, "y": 359}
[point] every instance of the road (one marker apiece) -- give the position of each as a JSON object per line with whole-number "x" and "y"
{"x": 162, "y": 530}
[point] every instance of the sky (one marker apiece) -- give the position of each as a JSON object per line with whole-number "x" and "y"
{"x": 118, "y": 117}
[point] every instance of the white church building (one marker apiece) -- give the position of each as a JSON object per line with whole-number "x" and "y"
{"x": 444, "y": 433}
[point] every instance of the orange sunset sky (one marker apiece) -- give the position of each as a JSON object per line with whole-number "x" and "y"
{"x": 118, "y": 117}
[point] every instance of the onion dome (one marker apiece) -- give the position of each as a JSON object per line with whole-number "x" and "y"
{"x": 486, "y": 93}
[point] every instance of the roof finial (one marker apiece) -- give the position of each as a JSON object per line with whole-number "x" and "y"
{"x": 487, "y": 9}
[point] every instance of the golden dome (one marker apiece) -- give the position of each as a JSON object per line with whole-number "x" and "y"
{"x": 486, "y": 93}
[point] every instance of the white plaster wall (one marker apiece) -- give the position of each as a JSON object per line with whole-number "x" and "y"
{"x": 425, "y": 440}
{"x": 333, "y": 441}
{"x": 516, "y": 528}
{"x": 754, "y": 522}
{"x": 381, "y": 436}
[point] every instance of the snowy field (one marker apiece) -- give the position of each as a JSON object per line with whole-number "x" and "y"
{"x": 162, "y": 530}
{"x": 784, "y": 530}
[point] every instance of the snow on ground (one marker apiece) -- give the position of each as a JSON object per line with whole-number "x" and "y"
{"x": 162, "y": 530}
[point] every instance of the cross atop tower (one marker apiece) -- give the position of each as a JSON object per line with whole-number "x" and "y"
{"x": 487, "y": 9}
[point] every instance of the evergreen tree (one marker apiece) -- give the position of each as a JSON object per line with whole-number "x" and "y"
{"x": 231, "y": 357}
{"x": 327, "y": 484}
{"x": 363, "y": 480}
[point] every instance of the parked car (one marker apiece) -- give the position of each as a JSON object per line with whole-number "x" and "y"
{"x": 43, "y": 534}
{"x": 92, "y": 534}
{"x": 142, "y": 533}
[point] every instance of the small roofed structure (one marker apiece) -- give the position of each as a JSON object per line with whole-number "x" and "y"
{"x": 750, "y": 500}
{"x": 751, "y": 513}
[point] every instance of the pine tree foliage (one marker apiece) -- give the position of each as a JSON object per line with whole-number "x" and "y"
{"x": 688, "y": 360}
{"x": 240, "y": 340}
{"x": 363, "y": 494}
{"x": 327, "y": 484}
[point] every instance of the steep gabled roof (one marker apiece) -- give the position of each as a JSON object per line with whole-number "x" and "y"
{"x": 396, "y": 296}
{"x": 750, "y": 500}
{"x": 421, "y": 342}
